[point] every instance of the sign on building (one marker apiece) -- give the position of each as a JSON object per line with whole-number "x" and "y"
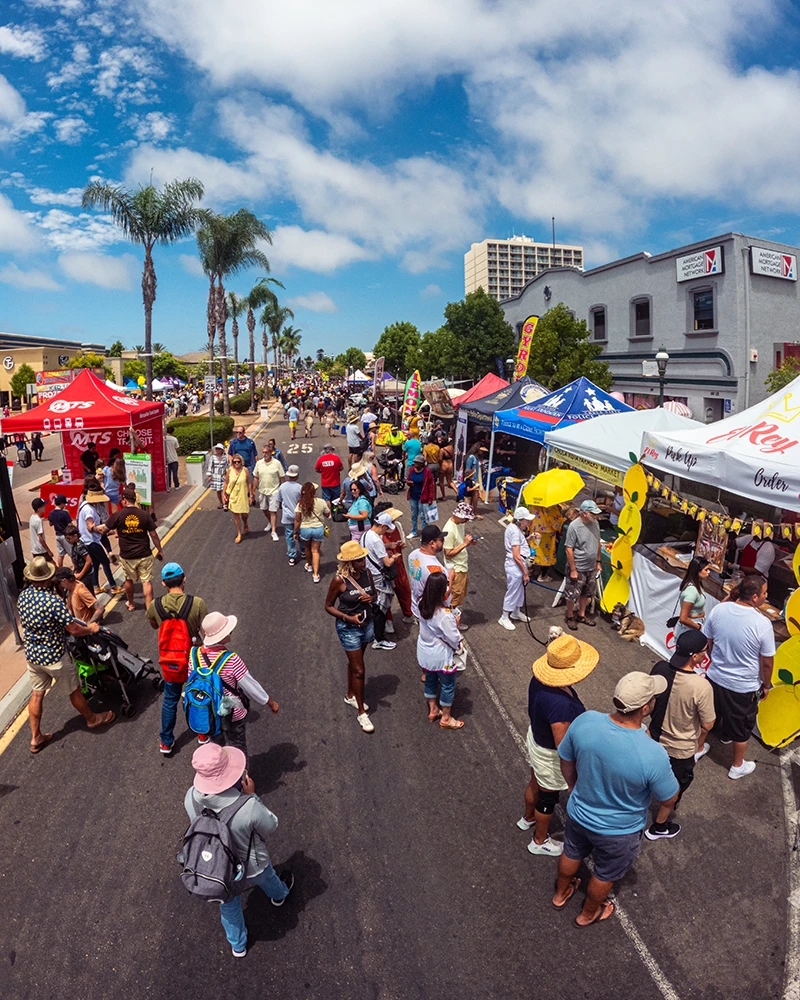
{"x": 700, "y": 264}
{"x": 773, "y": 263}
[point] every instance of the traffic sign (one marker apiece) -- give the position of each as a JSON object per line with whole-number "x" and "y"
{"x": 209, "y": 383}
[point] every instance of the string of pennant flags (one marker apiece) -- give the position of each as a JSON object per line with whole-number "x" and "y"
{"x": 756, "y": 527}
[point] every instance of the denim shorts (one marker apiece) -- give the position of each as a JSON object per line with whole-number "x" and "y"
{"x": 353, "y": 637}
{"x": 613, "y": 853}
{"x": 312, "y": 534}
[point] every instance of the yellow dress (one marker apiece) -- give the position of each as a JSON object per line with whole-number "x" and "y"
{"x": 547, "y": 522}
{"x": 239, "y": 498}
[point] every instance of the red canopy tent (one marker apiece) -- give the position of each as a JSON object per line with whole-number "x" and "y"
{"x": 89, "y": 410}
{"x": 488, "y": 384}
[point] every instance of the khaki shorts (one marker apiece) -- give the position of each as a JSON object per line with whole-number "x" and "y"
{"x": 269, "y": 501}
{"x": 62, "y": 671}
{"x": 458, "y": 592}
{"x": 138, "y": 569}
{"x": 545, "y": 765}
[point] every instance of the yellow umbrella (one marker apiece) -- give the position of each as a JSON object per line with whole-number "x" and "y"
{"x": 552, "y": 487}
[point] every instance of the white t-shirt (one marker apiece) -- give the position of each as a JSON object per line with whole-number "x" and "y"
{"x": 741, "y": 636}
{"x": 514, "y": 536}
{"x": 36, "y": 527}
{"x": 87, "y": 512}
{"x": 171, "y": 448}
{"x": 420, "y": 567}
{"x": 269, "y": 476}
{"x": 373, "y": 543}
{"x": 765, "y": 552}
{"x": 353, "y": 436}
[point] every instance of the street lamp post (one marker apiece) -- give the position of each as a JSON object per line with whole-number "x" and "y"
{"x": 662, "y": 360}
{"x": 509, "y": 368}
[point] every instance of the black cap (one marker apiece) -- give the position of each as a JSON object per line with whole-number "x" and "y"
{"x": 38, "y": 503}
{"x": 59, "y": 499}
{"x": 687, "y": 644}
{"x": 431, "y": 533}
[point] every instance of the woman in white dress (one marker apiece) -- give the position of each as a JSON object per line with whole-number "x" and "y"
{"x": 516, "y": 566}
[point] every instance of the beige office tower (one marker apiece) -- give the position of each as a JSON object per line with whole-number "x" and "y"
{"x": 501, "y": 267}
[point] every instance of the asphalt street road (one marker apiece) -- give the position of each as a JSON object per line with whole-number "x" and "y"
{"x": 412, "y": 879}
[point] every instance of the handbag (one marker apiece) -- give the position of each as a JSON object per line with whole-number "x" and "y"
{"x": 327, "y": 529}
{"x": 431, "y": 513}
{"x": 673, "y": 620}
{"x": 389, "y": 572}
{"x": 460, "y": 658}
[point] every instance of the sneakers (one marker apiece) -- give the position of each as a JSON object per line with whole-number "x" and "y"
{"x": 551, "y": 848}
{"x": 315, "y": 579}
{"x": 390, "y": 628}
{"x": 523, "y": 824}
{"x": 308, "y": 569}
{"x": 267, "y": 528}
{"x": 288, "y": 880}
{"x": 412, "y": 535}
{"x": 702, "y": 753}
{"x": 238, "y": 954}
{"x": 409, "y": 619}
{"x": 274, "y": 536}
{"x": 746, "y": 767}
{"x": 666, "y": 832}
{"x": 203, "y": 738}
{"x": 384, "y": 644}
{"x": 166, "y": 748}
{"x": 364, "y": 722}
{"x": 518, "y": 616}
{"x": 506, "y": 623}
{"x": 352, "y": 701}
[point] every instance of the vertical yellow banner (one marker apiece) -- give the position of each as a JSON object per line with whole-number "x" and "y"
{"x": 524, "y": 352}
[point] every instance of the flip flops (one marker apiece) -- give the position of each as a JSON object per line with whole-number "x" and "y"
{"x": 574, "y": 885}
{"x": 38, "y": 747}
{"x": 605, "y": 910}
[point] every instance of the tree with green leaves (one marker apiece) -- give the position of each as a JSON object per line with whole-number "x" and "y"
{"x": 273, "y": 319}
{"x": 260, "y": 295}
{"x": 481, "y": 334}
{"x": 226, "y": 245}
{"x": 90, "y": 360}
{"x": 236, "y": 306}
{"x": 149, "y": 216}
{"x": 781, "y": 376}
{"x": 21, "y": 379}
{"x": 394, "y": 344}
{"x": 561, "y": 351}
{"x": 290, "y": 342}
{"x": 353, "y": 358}
{"x": 116, "y": 349}
{"x": 436, "y": 355}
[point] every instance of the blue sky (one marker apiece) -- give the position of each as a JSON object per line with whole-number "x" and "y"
{"x": 378, "y": 140}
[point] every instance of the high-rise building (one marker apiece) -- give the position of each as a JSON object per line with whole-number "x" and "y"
{"x": 501, "y": 267}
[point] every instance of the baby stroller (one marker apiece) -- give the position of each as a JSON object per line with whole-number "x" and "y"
{"x": 391, "y": 479}
{"x": 103, "y": 660}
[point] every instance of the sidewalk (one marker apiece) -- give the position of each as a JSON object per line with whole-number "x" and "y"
{"x": 170, "y": 508}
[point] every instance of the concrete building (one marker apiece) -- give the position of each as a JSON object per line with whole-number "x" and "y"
{"x": 726, "y": 310}
{"x": 43, "y": 354}
{"x": 501, "y": 267}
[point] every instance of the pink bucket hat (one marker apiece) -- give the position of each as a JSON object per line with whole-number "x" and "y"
{"x": 217, "y": 768}
{"x": 217, "y": 627}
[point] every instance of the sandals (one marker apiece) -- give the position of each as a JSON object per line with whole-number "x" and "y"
{"x": 38, "y": 747}
{"x": 572, "y": 623}
{"x": 130, "y": 606}
{"x": 605, "y": 910}
{"x": 574, "y": 885}
{"x": 433, "y": 718}
{"x": 586, "y": 621}
{"x": 451, "y": 723}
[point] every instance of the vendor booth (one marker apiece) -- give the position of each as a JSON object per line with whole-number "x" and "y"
{"x": 488, "y": 384}
{"x": 357, "y": 377}
{"x": 88, "y": 410}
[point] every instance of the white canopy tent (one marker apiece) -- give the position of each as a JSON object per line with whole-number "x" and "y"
{"x": 359, "y": 376}
{"x": 755, "y": 453}
{"x": 608, "y": 445}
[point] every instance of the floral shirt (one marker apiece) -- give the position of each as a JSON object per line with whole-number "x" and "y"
{"x": 44, "y": 618}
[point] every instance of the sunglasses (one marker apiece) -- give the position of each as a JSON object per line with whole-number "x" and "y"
{"x": 237, "y": 463}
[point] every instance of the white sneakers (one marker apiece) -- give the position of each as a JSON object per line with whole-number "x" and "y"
{"x": 745, "y": 768}
{"x": 352, "y": 701}
{"x": 506, "y": 622}
{"x": 702, "y": 753}
{"x": 523, "y": 824}
{"x": 390, "y": 628}
{"x": 518, "y": 616}
{"x": 364, "y": 722}
{"x": 274, "y": 536}
{"x": 551, "y": 848}
{"x": 383, "y": 644}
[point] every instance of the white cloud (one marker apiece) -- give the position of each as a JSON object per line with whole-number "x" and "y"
{"x": 312, "y": 250}
{"x": 12, "y": 106}
{"x": 71, "y": 198}
{"x": 191, "y": 265}
{"x": 64, "y": 6}
{"x": 16, "y": 232}
{"x": 152, "y": 127}
{"x": 26, "y": 280}
{"x": 317, "y": 302}
{"x": 430, "y": 292}
{"x": 223, "y": 182}
{"x": 73, "y": 69}
{"x": 85, "y": 232}
{"x": 21, "y": 42}
{"x": 70, "y": 130}
{"x": 99, "y": 269}
{"x": 125, "y": 74}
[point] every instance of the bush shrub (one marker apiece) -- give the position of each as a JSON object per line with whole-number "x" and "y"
{"x": 240, "y": 403}
{"x": 193, "y": 432}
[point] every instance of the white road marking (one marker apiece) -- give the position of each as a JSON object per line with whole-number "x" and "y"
{"x": 791, "y": 980}
{"x": 657, "y": 974}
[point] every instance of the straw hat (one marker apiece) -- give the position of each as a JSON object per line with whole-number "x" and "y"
{"x": 358, "y": 470}
{"x": 394, "y": 513}
{"x": 351, "y": 551}
{"x": 567, "y": 661}
{"x": 95, "y": 495}
{"x": 39, "y": 570}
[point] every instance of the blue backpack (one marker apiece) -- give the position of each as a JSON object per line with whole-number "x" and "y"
{"x": 204, "y": 691}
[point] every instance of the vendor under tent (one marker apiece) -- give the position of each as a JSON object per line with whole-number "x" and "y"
{"x": 604, "y": 447}
{"x": 88, "y": 410}
{"x": 358, "y": 376}
{"x": 755, "y": 453}
{"x": 488, "y": 384}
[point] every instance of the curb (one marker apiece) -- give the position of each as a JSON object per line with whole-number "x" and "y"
{"x": 13, "y": 701}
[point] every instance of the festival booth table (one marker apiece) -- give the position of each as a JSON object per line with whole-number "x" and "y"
{"x": 88, "y": 410}
{"x": 753, "y": 455}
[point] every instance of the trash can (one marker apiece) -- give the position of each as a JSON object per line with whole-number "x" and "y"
{"x": 195, "y": 468}
{"x": 265, "y": 411}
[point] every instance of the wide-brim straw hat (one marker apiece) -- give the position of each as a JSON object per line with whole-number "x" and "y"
{"x": 358, "y": 470}
{"x": 96, "y": 497}
{"x": 39, "y": 570}
{"x": 567, "y": 661}
{"x": 394, "y": 513}
{"x": 351, "y": 551}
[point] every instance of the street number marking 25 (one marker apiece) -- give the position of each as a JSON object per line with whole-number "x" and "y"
{"x": 293, "y": 449}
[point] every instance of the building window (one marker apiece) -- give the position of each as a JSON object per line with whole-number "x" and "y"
{"x": 703, "y": 308}
{"x": 640, "y": 309}
{"x": 598, "y": 323}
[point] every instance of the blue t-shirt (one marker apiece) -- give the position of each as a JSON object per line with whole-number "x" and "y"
{"x": 619, "y": 771}
{"x": 59, "y": 519}
{"x": 360, "y": 505}
{"x": 246, "y": 449}
{"x": 415, "y": 481}
{"x": 294, "y": 413}
{"x": 547, "y": 705}
{"x": 471, "y": 465}
{"x": 412, "y": 447}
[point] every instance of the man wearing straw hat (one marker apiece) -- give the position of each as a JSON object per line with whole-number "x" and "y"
{"x": 613, "y": 770}
{"x": 552, "y": 706}
{"x": 45, "y": 624}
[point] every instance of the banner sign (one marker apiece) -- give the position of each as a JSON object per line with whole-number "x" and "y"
{"x": 604, "y": 472}
{"x": 150, "y": 435}
{"x": 773, "y": 263}
{"x": 437, "y": 395}
{"x": 377, "y": 375}
{"x": 524, "y": 351}
{"x": 140, "y": 474}
{"x": 411, "y": 400}
{"x": 50, "y": 384}
{"x": 700, "y": 264}
{"x": 72, "y": 491}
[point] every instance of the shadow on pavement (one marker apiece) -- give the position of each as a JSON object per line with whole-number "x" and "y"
{"x": 267, "y": 768}
{"x": 381, "y": 687}
{"x": 266, "y": 922}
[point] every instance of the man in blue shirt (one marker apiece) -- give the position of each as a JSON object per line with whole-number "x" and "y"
{"x": 613, "y": 769}
{"x": 294, "y": 416}
{"x": 244, "y": 446}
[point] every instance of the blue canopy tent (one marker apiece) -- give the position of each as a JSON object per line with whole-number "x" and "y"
{"x": 580, "y": 400}
{"x": 526, "y": 391}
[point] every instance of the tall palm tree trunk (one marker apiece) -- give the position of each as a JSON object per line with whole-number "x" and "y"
{"x": 211, "y": 314}
{"x": 235, "y": 335}
{"x": 148, "y": 297}
{"x": 265, "y": 345}
{"x": 251, "y": 330}
{"x": 222, "y": 317}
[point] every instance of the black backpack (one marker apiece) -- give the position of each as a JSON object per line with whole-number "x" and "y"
{"x": 210, "y": 866}
{"x": 656, "y": 724}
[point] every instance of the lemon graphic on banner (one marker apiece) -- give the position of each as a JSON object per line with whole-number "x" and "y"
{"x": 622, "y": 556}
{"x": 616, "y": 591}
{"x": 634, "y": 485}
{"x": 779, "y": 712}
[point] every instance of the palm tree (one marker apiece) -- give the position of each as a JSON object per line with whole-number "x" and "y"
{"x": 158, "y": 347}
{"x": 227, "y": 244}
{"x": 236, "y": 307}
{"x": 320, "y": 354}
{"x": 139, "y": 348}
{"x": 272, "y": 318}
{"x": 149, "y": 216}
{"x": 260, "y": 295}
{"x": 289, "y": 342}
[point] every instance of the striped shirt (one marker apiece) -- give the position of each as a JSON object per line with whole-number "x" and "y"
{"x": 236, "y": 674}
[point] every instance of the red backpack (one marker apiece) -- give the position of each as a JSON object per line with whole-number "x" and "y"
{"x": 174, "y": 641}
